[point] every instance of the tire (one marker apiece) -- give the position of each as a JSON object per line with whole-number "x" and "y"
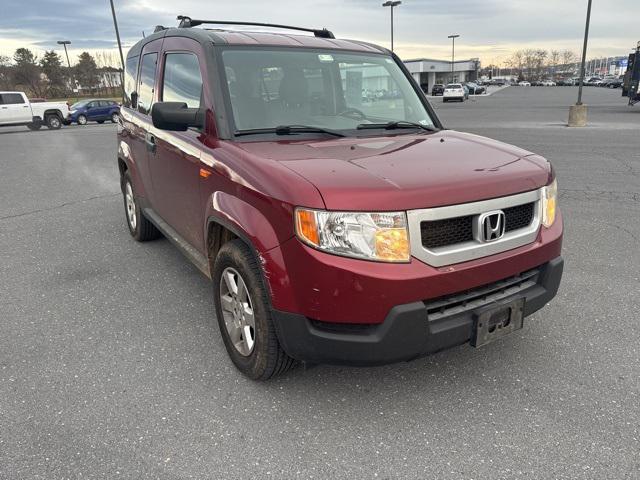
{"x": 245, "y": 324}
{"x": 82, "y": 120}
{"x": 444, "y": 100}
{"x": 114, "y": 117}
{"x": 140, "y": 228}
{"x": 54, "y": 122}
{"x": 35, "y": 126}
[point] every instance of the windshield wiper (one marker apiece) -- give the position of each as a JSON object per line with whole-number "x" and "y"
{"x": 395, "y": 125}
{"x": 289, "y": 130}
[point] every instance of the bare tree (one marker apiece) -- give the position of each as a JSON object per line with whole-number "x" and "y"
{"x": 5, "y": 72}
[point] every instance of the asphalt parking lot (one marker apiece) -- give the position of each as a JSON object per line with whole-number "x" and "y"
{"x": 111, "y": 365}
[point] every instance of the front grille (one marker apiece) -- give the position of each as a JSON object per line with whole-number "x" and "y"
{"x": 450, "y": 231}
{"x": 517, "y": 217}
{"x": 478, "y": 297}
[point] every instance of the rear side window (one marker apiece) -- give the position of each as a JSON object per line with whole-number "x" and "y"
{"x": 182, "y": 79}
{"x": 12, "y": 99}
{"x": 130, "y": 75}
{"x": 147, "y": 82}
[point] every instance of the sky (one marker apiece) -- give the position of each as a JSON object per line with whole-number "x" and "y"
{"x": 488, "y": 29}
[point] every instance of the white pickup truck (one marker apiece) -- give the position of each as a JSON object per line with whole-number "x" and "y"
{"x": 16, "y": 109}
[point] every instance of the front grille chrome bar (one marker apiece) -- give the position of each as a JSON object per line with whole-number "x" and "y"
{"x": 471, "y": 250}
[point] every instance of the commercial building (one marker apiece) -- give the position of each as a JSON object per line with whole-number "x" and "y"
{"x": 428, "y": 72}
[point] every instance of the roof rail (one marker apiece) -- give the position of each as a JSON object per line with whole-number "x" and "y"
{"x": 188, "y": 22}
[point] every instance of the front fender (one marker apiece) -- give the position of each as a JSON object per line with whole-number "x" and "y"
{"x": 253, "y": 227}
{"x": 243, "y": 219}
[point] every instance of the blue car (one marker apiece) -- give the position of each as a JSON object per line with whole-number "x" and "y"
{"x": 94, "y": 111}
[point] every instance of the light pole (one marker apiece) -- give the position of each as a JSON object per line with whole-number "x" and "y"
{"x": 65, "y": 43}
{"x": 391, "y": 4}
{"x": 453, "y": 52}
{"x": 115, "y": 24}
{"x": 578, "y": 112}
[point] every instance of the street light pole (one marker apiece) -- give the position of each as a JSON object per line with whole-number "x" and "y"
{"x": 453, "y": 52}
{"x": 115, "y": 24}
{"x": 584, "y": 53}
{"x": 65, "y": 43}
{"x": 578, "y": 112}
{"x": 391, "y": 4}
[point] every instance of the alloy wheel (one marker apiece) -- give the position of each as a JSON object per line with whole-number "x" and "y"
{"x": 130, "y": 204}
{"x": 237, "y": 310}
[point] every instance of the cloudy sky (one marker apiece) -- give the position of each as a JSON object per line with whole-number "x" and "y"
{"x": 489, "y": 29}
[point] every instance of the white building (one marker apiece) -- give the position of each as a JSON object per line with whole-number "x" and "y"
{"x": 428, "y": 72}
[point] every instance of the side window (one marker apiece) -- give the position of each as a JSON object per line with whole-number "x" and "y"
{"x": 147, "y": 82}
{"x": 182, "y": 79}
{"x": 130, "y": 75}
{"x": 12, "y": 99}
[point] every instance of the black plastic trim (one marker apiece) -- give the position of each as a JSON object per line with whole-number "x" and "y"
{"x": 407, "y": 332}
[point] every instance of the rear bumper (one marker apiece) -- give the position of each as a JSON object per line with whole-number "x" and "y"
{"x": 415, "y": 329}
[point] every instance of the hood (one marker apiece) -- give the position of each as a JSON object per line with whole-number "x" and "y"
{"x": 408, "y": 171}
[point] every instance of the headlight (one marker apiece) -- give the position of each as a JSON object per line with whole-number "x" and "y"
{"x": 72, "y": 111}
{"x": 381, "y": 236}
{"x": 549, "y": 203}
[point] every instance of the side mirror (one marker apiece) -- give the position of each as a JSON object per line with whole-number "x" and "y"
{"x": 134, "y": 100}
{"x": 176, "y": 116}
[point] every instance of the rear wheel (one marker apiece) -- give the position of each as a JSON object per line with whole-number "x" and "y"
{"x": 82, "y": 120}
{"x": 139, "y": 226}
{"x": 54, "y": 122}
{"x": 243, "y": 314}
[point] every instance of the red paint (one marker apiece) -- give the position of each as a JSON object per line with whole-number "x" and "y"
{"x": 254, "y": 187}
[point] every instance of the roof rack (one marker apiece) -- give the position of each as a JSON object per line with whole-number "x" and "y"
{"x": 188, "y": 22}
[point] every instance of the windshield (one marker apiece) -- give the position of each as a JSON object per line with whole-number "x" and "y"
{"x": 327, "y": 89}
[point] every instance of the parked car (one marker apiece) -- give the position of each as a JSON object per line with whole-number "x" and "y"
{"x": 333, "y": 231}
{"x": 438, "y": 89}
{"x": 94, "y": 110}
{"x": 16, "y": 109}
{"x": 455, "y": 91}
{"x": 475, "y": 89}
{"x": 524, "y": 84}
{"x": 612, "y": 83}
{"x": 593, "y": 82}
{"x": 548, "y": 83}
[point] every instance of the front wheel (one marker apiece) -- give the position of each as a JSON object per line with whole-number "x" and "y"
{"x": 243, "y": 314}
{"x": 114, "y": 118}
{"x": 82, "y": 120}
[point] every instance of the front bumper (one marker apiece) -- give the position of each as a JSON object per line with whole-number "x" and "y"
{"x": 412, "y": 330}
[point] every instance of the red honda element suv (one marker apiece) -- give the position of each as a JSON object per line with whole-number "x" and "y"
{"x": 337, "y": 226}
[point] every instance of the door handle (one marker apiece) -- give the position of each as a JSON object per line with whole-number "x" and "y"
{"x": 150, "y": 141}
